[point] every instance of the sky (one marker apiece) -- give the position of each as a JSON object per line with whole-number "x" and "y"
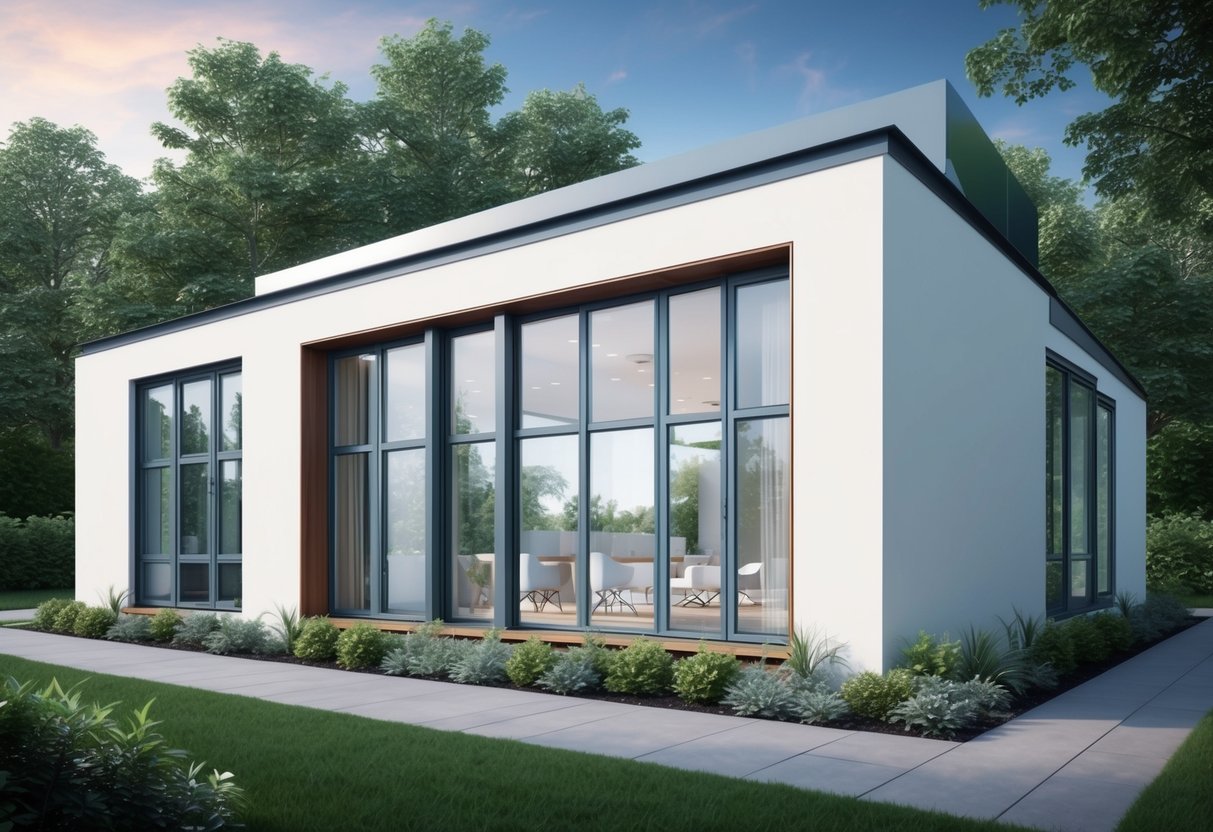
{"x": 690, "y": 72}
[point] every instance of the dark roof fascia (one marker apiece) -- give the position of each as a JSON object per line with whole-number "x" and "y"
{"x": 1061, "y": 315}
{"x": 808, "y": 160}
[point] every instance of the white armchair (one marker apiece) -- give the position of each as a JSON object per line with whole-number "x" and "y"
{"x": 700, "y": 585}
{"x": 538, "y": 583}
{"x": 608, "y": 580}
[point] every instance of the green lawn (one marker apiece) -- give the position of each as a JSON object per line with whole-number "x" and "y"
{"x": 1200, "y": 601}
{"x": 306, "y": 769}
{"x": 27, "y": 599}
{"x": 1182, "y": 796}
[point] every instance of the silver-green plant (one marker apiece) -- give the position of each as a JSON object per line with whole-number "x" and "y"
{"x": 235, "y": 635}
{"x": 573, "y": 672}
{"x": 130, "y": 628}
{"x": 940, "y": 712}
{"x": 756, "y": 692}
{"x": 814, "y": 704}
{"x": 483, "y": 662}
{"x": 990, "y": 697}
{"x": 195, "y": 628}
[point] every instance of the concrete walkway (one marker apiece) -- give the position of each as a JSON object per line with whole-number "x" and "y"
{"x": 16, "y": 615}
{"x": 1075, "y": 763}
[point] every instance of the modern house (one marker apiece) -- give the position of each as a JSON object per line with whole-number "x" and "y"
{"x": 807, "y": 378}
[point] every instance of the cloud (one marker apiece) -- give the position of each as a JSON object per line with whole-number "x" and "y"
{"x": 812, "y": 80}
{"x": 721, "y": 20}
{"x": 616, "y": 76}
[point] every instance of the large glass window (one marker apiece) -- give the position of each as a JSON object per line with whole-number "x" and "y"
{"x": 188, "y": 532}
{"x": 1079, "y": 521}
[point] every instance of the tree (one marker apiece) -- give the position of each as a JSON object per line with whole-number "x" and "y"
{"x": 1154, "y": 57}
{"x": 271, "y": 178}
{"x": 60, "y": 205}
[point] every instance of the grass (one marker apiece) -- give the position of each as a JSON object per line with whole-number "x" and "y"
{"x": 1198, "y": 601}
{"x": 307, "y": 769}
{"x": 27, "y": 599}
{"x": 1181, "y": 798}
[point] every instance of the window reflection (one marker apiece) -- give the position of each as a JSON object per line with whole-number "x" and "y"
{"x": 621, "y": 362}
{"x": 548, "y": 540}
{"x": 550, "y": 364}
{"x": 622, "y": 526}
{"x": 474, "y": 383}
{"x": 695, "y": 528}
{"x": 474, "y": 509}
{"x": 763, "y": 525}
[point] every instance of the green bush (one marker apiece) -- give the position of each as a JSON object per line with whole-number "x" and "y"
{"x": 65, "y": 621}
{"x": 317, "y": 640}
{"x": 938, "y": 709}
{"x": 164, "y": 624}
{"x": 1054, "y": 648}
{"x": 1179, "y": 553}
{"x": 130, "y": 628}
{"x": 573, "y": 672}
{"x": 929, "y": 656}
{"x": 1159, "y": 615}
{"x": 705, "y": 676}
{"x": 68, "y": 765}
{"x": 1088, "y": 640}
{"x": 194, "y": 629}
{"x": 35, "y": 476}
{"x": 755, "y": 692}
{"x": 48, "y": 611}
{"x": 643, "y": 668}
{"x": 594, "y": 649}
{"x": 37, "y": 553}
{"x": 529, "y": 661}
{"x": 872, "y": 695}
{"x": 235, "y": 635}
{"x": 94, "y": 622}
{"x": 362, "y": 645}
{"x": 1116, "y": 631}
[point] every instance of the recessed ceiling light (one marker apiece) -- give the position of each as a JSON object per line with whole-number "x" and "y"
{"x": 707, "y": 378}
{"x": 572, "y": 340}
{"x": 681, "y": 400}
{"x": 469, "y": 381}
{"x": 475, "y": 391}
{"x": 614, "y": 378}
{"x": 595, "y": 345}
{"x": 533, "y": 387}
{"x": 612, "y": 355}
{"x": 554, "y": 383}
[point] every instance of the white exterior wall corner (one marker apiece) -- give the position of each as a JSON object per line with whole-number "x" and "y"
{"x": 831, "y": 219}
{"x": 1129, "y": 454}
{"x": 963, "y": 438}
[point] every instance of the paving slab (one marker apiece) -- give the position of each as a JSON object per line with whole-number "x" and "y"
{"x": 16, "y": 615}
{"x": 886, "y": 749}
{"x": 1072, "y": 804}
{"x": 828, "y": 774}
{"x": 582, "y": 712}
{"x": 636, "y": 733}
{"x": 745, "y": 749}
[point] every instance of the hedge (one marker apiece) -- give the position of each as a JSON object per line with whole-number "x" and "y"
{"x": 37, "y": 553}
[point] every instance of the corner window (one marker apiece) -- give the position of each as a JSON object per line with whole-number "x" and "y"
{"x": 1079, "y": 479}
{"x": 189, "y": 549}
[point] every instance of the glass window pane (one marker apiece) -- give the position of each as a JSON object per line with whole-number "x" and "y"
{"x": 351, "y": 533}
{"x": 622, "y": 529}
{"x": 695, "y": 352}
{"x": 1053, "y": 588}
{"x": 157, "y": 511}
{"x": 696, "y": 533}
{"x": 195, "y": 508}
{"x": 230, "y": 486}
{"x": 157, "y": 423}
{"x": 1054, "y": 460}
{"x": 1080, "y": 469}
{"x": 196, "y": 417}
{"x": 195, "y": 583}
{"x": 474, "y": 502}
{"x": 1103, "y": 491}
{"x": 158, "y": 582}
{"x": 764, "y": 347}
{"x": 406, "y": 541}
{"x": 230, "y": 579}
{"x": 550, "y": 362}
{"x": 352, "y": 380}
{"x": 621, "y": 362}
{"x": 474, "y": 383}
{"x": 406, "y": 393}
{"x": 763, "y": 525}
{"x": 548, "y": 541}
{"x": 1080, "y": 579}
{"x": 230, "y": 411}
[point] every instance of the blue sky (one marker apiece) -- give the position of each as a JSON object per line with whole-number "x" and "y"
{"x": 690, "y": 71}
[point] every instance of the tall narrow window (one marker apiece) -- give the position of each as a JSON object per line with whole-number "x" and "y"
{"x": 190, "y": 549}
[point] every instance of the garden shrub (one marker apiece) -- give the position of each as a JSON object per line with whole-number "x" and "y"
{"x": 235, "y": 635}
{"x": 705, "y": 676}
{"x": 529, "y": 661}
{"x": 164, "y": 624}
{"x": 643, "y": 668}
{"x": 65, "y": 621}
{"x": 68, "y": 765}
{"x": 929, "y": 656}
{"x": 195, "y": 627}
{"x": 755, "y": 692}
{"x": 317, "y": 640}
{"x": 1088, "y": 640}
{"x": 1158, "y": 615}
{"x": 130, "y": 628}
{"x": 94, "y": 622}
{"x": 1179, "y": 553}
{"x": 984, "y": 656}
{"x": 37, "y": 553}
{"x": 1116, "y": 631}
{"x": 48, "y": 611}
{"x": 872, "y": 695}
{"x": 362, "y": 645}
{"x": 1054, "y": 647}
{"x": 595, "y": 649}
{"x": 483, "y": 662}
{"x": 939, "y": 709}
{"x": 574, "y": 671}
{"x": 815, "y": 702}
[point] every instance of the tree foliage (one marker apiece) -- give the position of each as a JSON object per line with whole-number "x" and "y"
{"x": 1154, "y": 58}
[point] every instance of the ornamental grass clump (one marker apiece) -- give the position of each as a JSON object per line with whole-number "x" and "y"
{"x": 235, "y": 635}
{"x": 130, "y": 628}
{"x": 195, "y": 628}
{"x": 317, "y": 640}
{"x": 94, "y": 622}
{"x": 874, "y": 696}
{"x": 704, "y": 677}
{"x": 71, "y": 765}
{"x": 287, "y": 626}
{"x": 983, "y": 655}
{"x": 164, "y": 624}
{"x": 483, "y": 662}
{"x": 48, "y": 610}
{"x": 755, "y": 692}
{"x": 529, "y": 661}
{"x": 362, "y": 645}
{"x": 65, "y": 620}
{"x": 643, "y": 668}
{"x": 573, "y": 672}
